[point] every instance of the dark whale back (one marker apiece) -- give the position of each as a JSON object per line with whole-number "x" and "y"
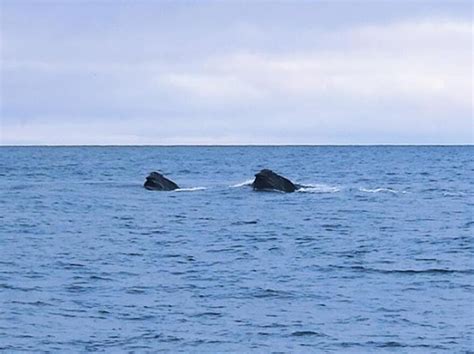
{"x": 157, "y": 182}
{"x": 268, "y": 180}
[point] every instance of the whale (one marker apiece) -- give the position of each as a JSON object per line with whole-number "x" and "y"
{"x": 157, "y": 182}
{"x": 267, "y": 180}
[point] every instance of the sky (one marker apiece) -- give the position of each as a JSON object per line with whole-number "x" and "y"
{"x": 236, "y": 72}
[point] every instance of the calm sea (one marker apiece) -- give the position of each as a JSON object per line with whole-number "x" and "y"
{"x": 376, "y": 255}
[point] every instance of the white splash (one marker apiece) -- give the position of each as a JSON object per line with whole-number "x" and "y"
{"x": 193, "y": 189}
{"x": 318, "y": 188}
{"x": 378, "y": 190}
{"x": 243, "y": 184}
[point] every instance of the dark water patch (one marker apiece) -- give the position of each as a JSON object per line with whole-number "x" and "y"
{"x": 62, "y": 314}
{"x": 133, "y": 254}
{"x": 250, "y": 222}
{"x": 331, "y": 227}
{"x": 272, "y": 293}
{"x": 78, "y": 288}
{"x": 99, "y": 278}
{"x": 395, "y": 344}
{"x": 124, "y": 342}
{"x": 350, "y": 344}
{"x": 427, "y": 259}
{"x": 66, "y": 265}
{"x": 308, "y": 333}
{"x": 208, "y": 314}
{"x": 172, "y": 256}
{"x": 222, "y": 250}
{"x": 406, "y": 271}
{"x": 18, "y": 288}
{"x": 8, "y": 263}
{"x": 130, "y": 317}
{"x": 34, "y": 303}
{"x": 124, "y": 218}
{"x": 150, "y": 232}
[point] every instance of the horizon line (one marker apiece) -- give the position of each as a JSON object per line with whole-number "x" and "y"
{"x": 229, "y": 145}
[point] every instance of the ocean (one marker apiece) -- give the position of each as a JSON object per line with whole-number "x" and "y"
{"x": 374, "y": 255}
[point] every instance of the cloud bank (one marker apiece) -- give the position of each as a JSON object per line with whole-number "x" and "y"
{"x": 209, "y": 74}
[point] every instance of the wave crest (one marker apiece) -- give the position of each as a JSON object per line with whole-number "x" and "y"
{"x": 317, "y": 188}
{"x": 243, "y": 184}
{"x": 192, "y": 189}
{"x": 378, "y": 190}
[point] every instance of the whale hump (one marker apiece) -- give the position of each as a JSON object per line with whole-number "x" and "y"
{"x": 268, "y": 180}
{"x": 157, "y": 182}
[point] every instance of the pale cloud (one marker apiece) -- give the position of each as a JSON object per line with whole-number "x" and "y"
{"x": 436, "y": 65}
{"x": 214, "y": 87}
{"x": 159, "y": 73}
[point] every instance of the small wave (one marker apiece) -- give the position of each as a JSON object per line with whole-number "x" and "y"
{"x": 243, "y": 184}
{"x": 379, "y": 190}
{"x": 453, "y": 194}
{"x": 193, "y": 189}
{"x": 245, "y": 222}
{"x": 308, "y": 333}
{"x": 407, "y": 271}
{"x": 317, "y": 188}
{"x": 272, "y": 293}
{"x": 208, "y": 314}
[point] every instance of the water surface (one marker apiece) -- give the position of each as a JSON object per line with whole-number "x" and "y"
{"x": 375, "y": 255}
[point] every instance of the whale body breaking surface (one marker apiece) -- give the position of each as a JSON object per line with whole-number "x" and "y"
{"x": 267, "y": 180}
{"x": 157, "y": 182}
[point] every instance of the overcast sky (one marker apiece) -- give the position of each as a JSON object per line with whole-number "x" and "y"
{"x": 229, "y": 72}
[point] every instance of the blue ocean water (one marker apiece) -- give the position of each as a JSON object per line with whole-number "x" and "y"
{"x": 375, "y": 255}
